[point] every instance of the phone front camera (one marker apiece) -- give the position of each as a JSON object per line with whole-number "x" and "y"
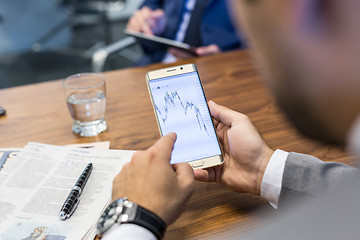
{"x": 181, "y": 68}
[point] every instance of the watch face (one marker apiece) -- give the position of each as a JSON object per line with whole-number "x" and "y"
{"x": 110, "y": 216}
{"x": 124, "y": 211}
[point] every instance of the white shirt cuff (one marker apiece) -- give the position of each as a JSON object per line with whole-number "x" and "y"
{"x": 272, "y": 179}
{"x": 128, "y": 231}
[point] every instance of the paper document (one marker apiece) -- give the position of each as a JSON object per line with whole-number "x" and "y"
{"x": 35, "y": 184}
{"x": 9, "y": 153}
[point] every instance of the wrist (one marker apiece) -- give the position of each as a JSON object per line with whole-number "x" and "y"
{"x": 272, "y": 179}
{"x": 157, "y": 211}
{"x": 262, "y": 167}
{"x": 123, "y": 211}
{"x": 152, "y": 222}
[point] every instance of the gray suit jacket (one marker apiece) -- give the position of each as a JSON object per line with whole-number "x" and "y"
{"x": 334, "y": 214}
{"x": 305, "y": 175}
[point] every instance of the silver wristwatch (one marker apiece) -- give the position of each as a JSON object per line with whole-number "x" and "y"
{"x": 123, "y": 211}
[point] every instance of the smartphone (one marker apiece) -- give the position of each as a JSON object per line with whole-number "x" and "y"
{"x": 180, "y": 106}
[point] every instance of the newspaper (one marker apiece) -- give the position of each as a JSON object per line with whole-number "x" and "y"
{"x": 36, "y": 182}
{"x": 9, "y": 153}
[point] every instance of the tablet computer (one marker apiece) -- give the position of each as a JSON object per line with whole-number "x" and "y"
{"x": 163, "y": 41}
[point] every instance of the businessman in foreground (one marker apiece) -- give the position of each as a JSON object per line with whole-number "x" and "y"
{"x": 309, "y": 53}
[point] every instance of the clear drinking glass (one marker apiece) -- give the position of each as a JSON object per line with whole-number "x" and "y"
{"x": 85, "y": 95}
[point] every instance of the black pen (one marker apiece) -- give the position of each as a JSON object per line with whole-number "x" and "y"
{"x": 2, "y": 111}
{"x": 72, "y": 201}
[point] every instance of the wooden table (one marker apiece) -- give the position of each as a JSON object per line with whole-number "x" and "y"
{"x": 38, "y": 112}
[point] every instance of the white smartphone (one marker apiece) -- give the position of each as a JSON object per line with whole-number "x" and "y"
{"x": 180, "y": 106}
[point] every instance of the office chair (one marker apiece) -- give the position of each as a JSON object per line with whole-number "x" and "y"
{"x": 41, "y": 60}
{"x": 108, "y": 11}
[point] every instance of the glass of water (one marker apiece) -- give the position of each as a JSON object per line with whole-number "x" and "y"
{"x": 86, "y": 99}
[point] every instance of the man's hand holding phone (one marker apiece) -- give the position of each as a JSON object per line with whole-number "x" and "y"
{"x": 246, "y": 154}
{"x": 152, "y": 182}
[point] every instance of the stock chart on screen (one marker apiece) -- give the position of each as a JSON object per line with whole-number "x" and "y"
{"x": 181, "y": 107}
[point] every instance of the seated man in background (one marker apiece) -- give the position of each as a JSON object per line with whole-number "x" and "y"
{"x": 204, "y": 24}
{"x": 309, "y": 54}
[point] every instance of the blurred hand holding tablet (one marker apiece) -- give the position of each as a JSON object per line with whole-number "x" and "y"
{"x": 163, "y": 41}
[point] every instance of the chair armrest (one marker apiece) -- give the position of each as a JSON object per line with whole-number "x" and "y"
{"x": 100, "y": 56}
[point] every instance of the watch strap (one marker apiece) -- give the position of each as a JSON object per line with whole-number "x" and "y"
{"x": 150, "y": 221}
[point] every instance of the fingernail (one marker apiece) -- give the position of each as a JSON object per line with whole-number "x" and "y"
{"x": 172, "y": 133}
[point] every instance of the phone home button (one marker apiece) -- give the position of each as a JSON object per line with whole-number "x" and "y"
{"x": 197, "y": 164}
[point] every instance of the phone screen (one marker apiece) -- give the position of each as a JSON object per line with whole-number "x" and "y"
{"x": 180, "y": 107}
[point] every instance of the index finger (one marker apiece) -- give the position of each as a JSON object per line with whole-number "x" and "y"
{"x": 141, "y": 17}
{"x": 164, "y": 146}
{"x": 158, "y": 13}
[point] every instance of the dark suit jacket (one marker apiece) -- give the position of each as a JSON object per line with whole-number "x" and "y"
{"x": 216, "y": 27}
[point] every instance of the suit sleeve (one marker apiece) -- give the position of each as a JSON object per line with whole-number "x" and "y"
{"x": 153, "y": 4}
{"x": 306, "y": 175}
